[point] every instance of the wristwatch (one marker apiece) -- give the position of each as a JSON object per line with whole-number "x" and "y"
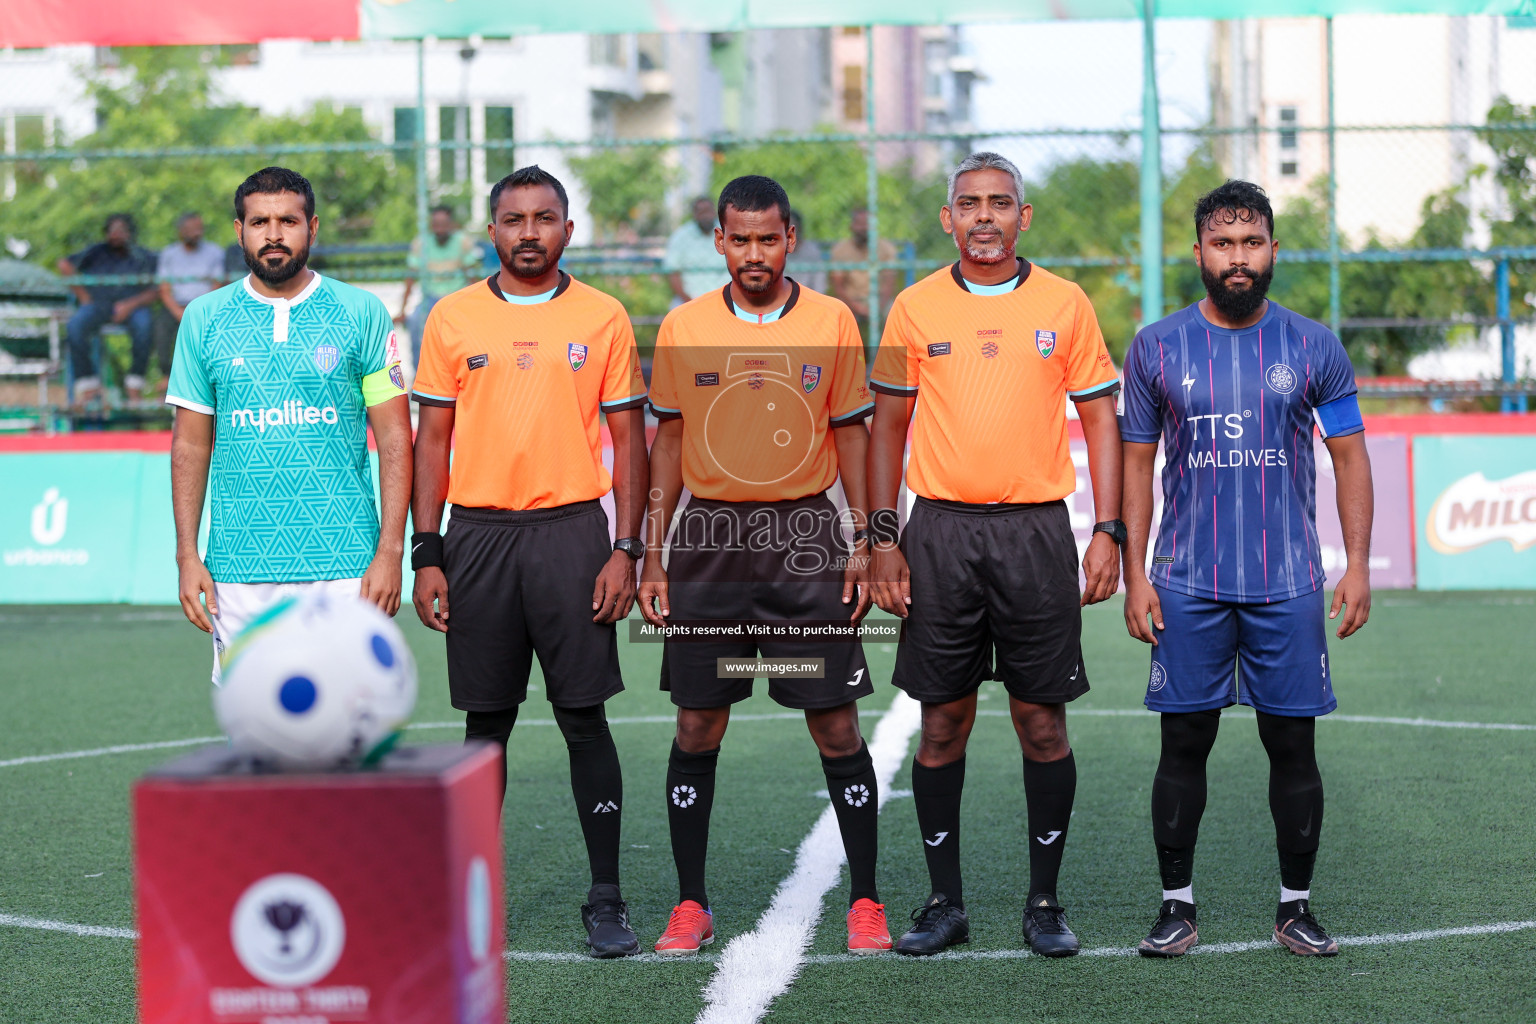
{"x": 1115, "y": 528}
{"x": 634, "y": 547}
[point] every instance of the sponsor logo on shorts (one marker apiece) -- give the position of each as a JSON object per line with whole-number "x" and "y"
{"x": 810, "y": 376}
{"x": 939, "y": 348}
{"x": 1045, "y": 341}
{"x": 1159, "y": 678}
{"x": 478, "y": 362}
{"x": 577, "y": 354}
{"x": 1281, "y": 379}
{"x": 706, "y": 380}
{"x": 326, "y": 357}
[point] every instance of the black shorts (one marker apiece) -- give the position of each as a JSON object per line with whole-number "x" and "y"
{"x": 760, "y": 562}
{"x": 519, "y": 584}
{"x": 991, "y": 579}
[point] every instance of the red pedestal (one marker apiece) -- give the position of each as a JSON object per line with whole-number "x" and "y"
{"x": 371, "y": 896}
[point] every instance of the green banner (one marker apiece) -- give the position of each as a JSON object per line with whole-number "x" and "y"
{"x": 415, "y": 19}
{"x": 1475, "y": 499}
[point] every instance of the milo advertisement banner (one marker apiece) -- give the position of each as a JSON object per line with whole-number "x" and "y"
{"x": 1475, "y": 497}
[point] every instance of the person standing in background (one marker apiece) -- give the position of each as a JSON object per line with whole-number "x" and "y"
{"x": 693, "y": 265}
{"x": 449, "y": 260}
{"x": 852, "y": 286}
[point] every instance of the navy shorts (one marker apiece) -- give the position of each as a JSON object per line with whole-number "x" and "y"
{"x": 1212, "y": 654}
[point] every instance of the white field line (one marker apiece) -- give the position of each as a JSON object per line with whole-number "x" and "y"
{"x": 43, "y": 925}
{"x": 1423, "y": 723}
{"x": 758, "y": 966}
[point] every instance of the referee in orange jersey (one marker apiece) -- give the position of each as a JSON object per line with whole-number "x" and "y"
{"x": 761, "y": 394}
{"x": 985, "y": 576}
{"x": 520, "y": 366}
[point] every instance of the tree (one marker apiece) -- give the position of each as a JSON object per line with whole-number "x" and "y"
{"x": 626, "y": 188}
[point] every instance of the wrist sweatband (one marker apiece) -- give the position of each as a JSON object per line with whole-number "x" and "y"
{"x": 426, "y": 551}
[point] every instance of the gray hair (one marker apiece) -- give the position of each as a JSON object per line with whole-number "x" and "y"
{"x": 987, "y": 160}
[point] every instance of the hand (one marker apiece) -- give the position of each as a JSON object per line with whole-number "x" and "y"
{"x": 175, "y": 311}
{"x": 613, "y": 595}
{"x": 431, "y": 586}
{"x": 890, "y": 579}
{"x": 1141, "y": 601}
{"x": 856, "y": 582}
{"x": 381, "y": 583}
{"x": 195, "y": 583}
{"x": 653, "y": 593}
{"x": 399, "y": 317}
{"x": 1353, "y": 594}
{"x": 1101, "y": 569}
{"x": 122, "y": 310}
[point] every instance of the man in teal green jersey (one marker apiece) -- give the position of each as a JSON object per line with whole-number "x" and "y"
{"x": 288, "y": 370}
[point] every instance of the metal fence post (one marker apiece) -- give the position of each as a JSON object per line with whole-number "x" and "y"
{"x": 1507, "y": 403}
{"x": 872, "y": 197}
{"x": 1151, "y": 175}
{"x": 1335, "y": 314}
{"x": 421, "y": 153}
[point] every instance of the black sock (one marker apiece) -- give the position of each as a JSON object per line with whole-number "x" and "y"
{"x": 1049, "y": 788}
{"x": 1178, "y": 792}
{"x": 936, "y": 792}
{"x": 690, "y": 795}
{"x": 597, "y": 785}
{"x": 851, "y": 783}
{"x": 493, "y": 727}
{"x": 1295, "y": 794}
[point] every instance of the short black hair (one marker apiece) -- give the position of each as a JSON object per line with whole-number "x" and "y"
{"x": 524, "y": 177}
{"x": 270, "y": 181}
{"x": 1230, "y": 202}
{"x": 443, "y": 208}
{"x": 188, "y": 215}
{"x": 126, "y": 218}
{"x": 752, "y": 193}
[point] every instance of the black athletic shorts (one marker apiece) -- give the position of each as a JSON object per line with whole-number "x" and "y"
{"x": 991, "y": 580}
{"x": 519, "y": 584}
{"x": 760, "y": 562}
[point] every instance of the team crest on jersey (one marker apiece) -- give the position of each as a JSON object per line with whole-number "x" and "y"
{"x": 397, "y": 377}
{"x": 1281, "y": 378}
{"x": 326, "y": 357}
{"x": 577, "y": 354}
{"x": 1045, "y": 341}
{"x": 1159, "y": 678}
{"x": 810, "y": 376}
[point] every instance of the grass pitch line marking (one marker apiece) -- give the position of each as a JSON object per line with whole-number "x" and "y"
{"x": 1386, "y": 939}
{"x": 43, "y": 925}
{"x": 758, "y": 966}
{"x": 123, "y": 748}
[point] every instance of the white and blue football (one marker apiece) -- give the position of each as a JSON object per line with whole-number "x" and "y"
{"x": 315, "y": 683}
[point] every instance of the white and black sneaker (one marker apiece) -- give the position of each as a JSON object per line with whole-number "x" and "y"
{"x": 1298, "y": 931}
{"x": 1174, "y": 932}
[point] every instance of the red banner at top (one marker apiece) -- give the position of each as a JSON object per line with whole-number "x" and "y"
{"x": 172, "y": 22}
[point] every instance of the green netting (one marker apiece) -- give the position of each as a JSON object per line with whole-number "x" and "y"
{"x": 410, "y": 19}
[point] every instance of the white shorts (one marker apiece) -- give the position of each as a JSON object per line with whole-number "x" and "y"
{"x": 239, "y": 603}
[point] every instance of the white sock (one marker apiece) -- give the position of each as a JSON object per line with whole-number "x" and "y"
{"x": 1186, "y": 894}
{"x": 1288, "y": 895}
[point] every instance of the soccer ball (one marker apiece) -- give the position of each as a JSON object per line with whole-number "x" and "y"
{"x": 316, "y": 682}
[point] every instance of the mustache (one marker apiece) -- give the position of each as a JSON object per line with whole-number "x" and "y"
{"x": 530, "y": 247}
{"x": 274, "y": 247}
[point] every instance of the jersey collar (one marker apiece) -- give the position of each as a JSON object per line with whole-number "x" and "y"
{"x": 565, "y": 282}
{"x": 794, "y": 297}
{"x": 1024, "y": 268}
{"x": 309, "y": 289}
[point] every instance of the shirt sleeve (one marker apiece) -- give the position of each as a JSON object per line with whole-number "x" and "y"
{"x": 665, "y": 402}
{"x": 1141, "y": 399}
{"x": 190, "y": 386}
{"x": 1335, "y": 407}
{"x": 413, "y": 260}
{"x": 850, "y": 400}
{"x": 623, "y": 381}
{"x": 1090, "y": 372}
{"x": 382, "y": 377}
{"x": 83, "y": 259}
{"x": 438, "y": 381}
{"x": 896, "y": 365}
{"x": 674, "y": 257}
{"x": 162, "y": 264}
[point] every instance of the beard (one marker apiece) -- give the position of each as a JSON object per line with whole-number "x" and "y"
{"x": 997, "y": 252}
{"x": 284, "y": 271}
{"x": 538, "y": 268}
{"x": 762, "y": 287}
{"x": 1237, "y": 303}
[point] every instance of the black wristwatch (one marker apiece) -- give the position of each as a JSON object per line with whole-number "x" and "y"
{"x": 634, "y": 547}
{"x": 1115, "y": 528}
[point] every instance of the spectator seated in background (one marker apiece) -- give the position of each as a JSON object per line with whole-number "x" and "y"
{"x": 188, "y": 268}
{"x": 100, "y": 304}
{"x": 450, "y": 261}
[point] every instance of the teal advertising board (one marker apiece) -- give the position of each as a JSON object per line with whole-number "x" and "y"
{"x": 1475, "y": 505}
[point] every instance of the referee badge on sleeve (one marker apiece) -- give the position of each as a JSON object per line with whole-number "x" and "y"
{"x": 577, "y": 354}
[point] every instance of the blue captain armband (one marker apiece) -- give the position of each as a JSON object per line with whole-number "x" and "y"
{"x": 1339, "y": 417}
